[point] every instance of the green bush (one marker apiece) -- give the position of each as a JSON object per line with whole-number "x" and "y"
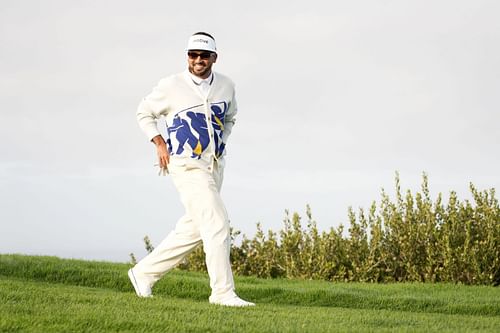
{"x": 411, "y": 239}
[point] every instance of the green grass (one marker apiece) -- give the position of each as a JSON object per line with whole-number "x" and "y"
{"x": 48, "y": 294}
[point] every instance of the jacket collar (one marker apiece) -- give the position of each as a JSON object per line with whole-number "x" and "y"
{"x": 190, "y": 78}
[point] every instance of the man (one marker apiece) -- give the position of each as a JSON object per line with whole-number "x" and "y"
{"x": 199, "y": 107}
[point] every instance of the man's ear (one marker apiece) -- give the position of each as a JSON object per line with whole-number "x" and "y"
{"x": 215, "y": 57}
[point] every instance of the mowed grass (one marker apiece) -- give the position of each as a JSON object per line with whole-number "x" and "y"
{"x": 48, "y": 294}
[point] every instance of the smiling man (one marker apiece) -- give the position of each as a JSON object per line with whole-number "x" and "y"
{"x": 199, "y": 108}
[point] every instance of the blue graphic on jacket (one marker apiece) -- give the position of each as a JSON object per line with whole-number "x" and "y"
{"x": 189, "y": 130}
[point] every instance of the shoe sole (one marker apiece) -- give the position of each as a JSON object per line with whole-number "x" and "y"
{"x": 233, "y": 305}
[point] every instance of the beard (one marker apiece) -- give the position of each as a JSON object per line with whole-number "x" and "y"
{"x": 200, "y": 70}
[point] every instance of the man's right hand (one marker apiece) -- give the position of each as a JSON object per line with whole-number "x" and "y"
{"x": 161, "y": 151}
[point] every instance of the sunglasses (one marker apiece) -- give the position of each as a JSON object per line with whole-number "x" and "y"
{"x": 202, "y": 55}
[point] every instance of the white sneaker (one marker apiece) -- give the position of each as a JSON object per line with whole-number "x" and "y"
{"x": 142, "y": 289}
{"x": 234, "y": 301}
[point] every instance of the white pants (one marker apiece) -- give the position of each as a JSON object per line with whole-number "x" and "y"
{"x": 205, "y": 221}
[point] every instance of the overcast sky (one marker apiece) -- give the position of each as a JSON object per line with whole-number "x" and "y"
{"x": 334, "y": 97}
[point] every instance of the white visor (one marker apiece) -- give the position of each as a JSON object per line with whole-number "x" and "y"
{"x": 201, "y": 42}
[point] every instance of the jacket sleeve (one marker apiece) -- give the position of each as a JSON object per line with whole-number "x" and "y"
{"x": 230, "y": 119}
{"x": 152, "y": 107}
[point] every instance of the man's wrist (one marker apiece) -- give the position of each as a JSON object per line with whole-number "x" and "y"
{"x": 158, "y": 141}
{"x": 160, "y": 144}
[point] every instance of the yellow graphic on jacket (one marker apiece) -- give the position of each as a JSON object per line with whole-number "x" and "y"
{"x": 197, "y": 150}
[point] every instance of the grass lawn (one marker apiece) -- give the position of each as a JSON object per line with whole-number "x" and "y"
{"x": 48, "y": 294}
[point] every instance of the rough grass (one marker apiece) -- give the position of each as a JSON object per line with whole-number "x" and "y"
{"x": 48, "y": 294}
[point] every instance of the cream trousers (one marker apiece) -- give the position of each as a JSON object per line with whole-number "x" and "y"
{"x": 205, "y": 221}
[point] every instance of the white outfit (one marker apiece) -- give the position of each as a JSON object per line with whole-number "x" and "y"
{"x": 198, "y": 123}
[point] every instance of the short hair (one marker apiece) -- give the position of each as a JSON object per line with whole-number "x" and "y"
{"x": 204, "y": 34}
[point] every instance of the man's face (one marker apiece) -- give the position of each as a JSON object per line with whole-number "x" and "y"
{"x": 200, "y": 62}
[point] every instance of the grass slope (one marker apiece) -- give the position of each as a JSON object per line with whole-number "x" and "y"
{"x": 48, "y": 294}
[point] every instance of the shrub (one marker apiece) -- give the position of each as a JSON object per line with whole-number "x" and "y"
{"x": 410, "y": 239}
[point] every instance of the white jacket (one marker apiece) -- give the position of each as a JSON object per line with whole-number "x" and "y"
{"x": 198, "y": 127}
